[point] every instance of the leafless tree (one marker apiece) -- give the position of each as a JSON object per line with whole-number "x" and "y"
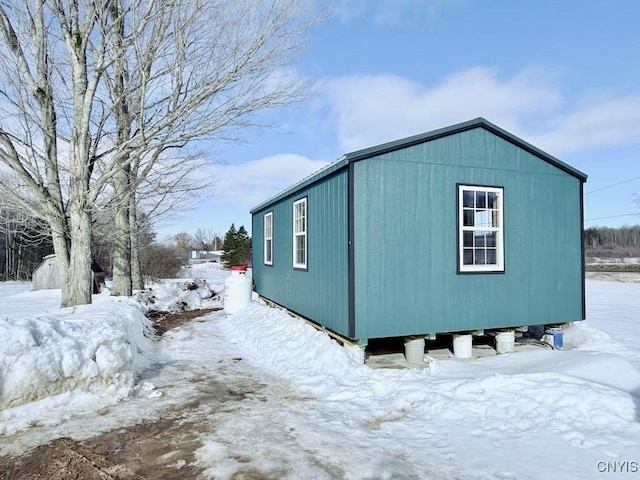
{"x": 205, "y": 239}
{"x": 173, "y": 185}
{"x": 97, "y": 92}
{"x": 183, "y": 241}
{"x": 200, "y": 239}
{"x": 23, "y": 238}
{"x": 29, "y": 129}
{"x": 194, "y": 73}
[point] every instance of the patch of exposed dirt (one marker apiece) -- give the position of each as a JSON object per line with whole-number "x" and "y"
{"x": 165, "y": 321}
{"x": 63, "y": 459}
{"x": 157, "y": 449}
{"x": 160, "y": 449}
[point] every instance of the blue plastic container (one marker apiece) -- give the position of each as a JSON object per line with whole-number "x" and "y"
{"x": 555, "y": 337}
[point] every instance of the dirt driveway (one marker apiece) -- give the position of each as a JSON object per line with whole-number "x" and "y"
{"x": 158, "y": 449}
{"x": 161, "y": 447}
{"x": 204, "y": 412}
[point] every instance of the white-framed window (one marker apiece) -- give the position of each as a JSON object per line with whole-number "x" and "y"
{"x": 480, "y": 229}
{"x": 300, "y": 233}
{"x": 268, "y": 238}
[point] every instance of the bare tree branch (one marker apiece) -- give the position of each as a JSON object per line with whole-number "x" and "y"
{"x": 101, "y": 100}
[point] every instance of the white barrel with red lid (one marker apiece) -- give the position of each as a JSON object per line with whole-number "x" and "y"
{"x": 237, "y": 290}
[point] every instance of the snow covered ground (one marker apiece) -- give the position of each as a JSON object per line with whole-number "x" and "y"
{"x": 321, "y": 413}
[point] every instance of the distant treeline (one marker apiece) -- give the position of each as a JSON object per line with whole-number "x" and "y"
{"x": 606, "y": 242}
{"x": 21, "y": 247}
{"x": 614, "y": 237}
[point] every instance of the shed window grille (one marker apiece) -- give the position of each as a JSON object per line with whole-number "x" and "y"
{"x": 300, "y": 233}
{"x": 480, "y": 229}
{"x": 268, "y": 238}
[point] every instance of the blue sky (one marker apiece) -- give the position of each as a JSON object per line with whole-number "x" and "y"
{"x": 563, "y": 75}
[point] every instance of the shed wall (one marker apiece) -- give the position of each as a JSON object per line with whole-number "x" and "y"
{"x": 48, "y": 275}
{"x": 320, "y": 292}
{"x": 405, "y": 240}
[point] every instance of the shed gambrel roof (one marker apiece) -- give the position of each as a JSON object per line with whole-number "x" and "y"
{"x": 363, "y": 154}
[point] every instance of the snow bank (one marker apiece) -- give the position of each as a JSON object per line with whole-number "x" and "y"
{"x": 203, "y": 270}
{"x": 501, "y": 395}
{"x": 178, "y": 296}
{"x": 98, "y": 348}
{"x": 85, "y": 346}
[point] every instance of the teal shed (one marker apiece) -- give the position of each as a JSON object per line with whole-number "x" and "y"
{"x": 460, "y": 229}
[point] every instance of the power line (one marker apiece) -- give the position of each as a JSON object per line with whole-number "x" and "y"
{"x": 613, "y": 216}
{"x": 613, "y": 185}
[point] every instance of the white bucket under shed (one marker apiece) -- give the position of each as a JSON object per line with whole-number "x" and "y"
{"x": 462, "y": 345}
{"x": 237, "y": 290}
{"x": 505, "y": 341}
{"x": 414, "y": 349}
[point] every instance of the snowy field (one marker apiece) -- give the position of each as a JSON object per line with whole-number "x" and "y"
{"x": 323, "y": 414}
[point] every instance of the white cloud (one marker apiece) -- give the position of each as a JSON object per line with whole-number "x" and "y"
{"x": 252, "y": 182}
{"x": 378, "y": 108}
{"x": 371, "y": 109}
{"x": 389, "y": 12}
{"x": 602, "y": 122}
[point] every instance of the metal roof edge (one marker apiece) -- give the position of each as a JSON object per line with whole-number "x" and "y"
{"x": 510, "y": 137}
{"x": 383, "y": 148}
{"x": 478, "y": 122}
{"x": 325, "y": 171}
{"x": 413, "y": 140}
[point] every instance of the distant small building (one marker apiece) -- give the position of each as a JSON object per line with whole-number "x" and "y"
{"x": 460, "y": 229}
{"x": 204, "y": 256}
{"x": 49, "y": 275}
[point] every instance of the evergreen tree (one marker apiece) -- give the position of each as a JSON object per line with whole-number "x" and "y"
{"x": 236, "y": 247}
{"x": 244, "y": 244}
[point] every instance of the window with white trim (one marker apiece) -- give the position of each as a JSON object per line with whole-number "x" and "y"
{"x": 480, "y": 229}
{"x": 268, "y": 238}
{"x": 300, "y": 233}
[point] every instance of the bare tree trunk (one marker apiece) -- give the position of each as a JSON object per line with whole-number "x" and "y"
{"x": 137, "y": 279}
{"x": 122, "y": 284}
{"x": 79, "y": 278}
{"x": 77, "y": 30}
{"x": 61, "y": 249}
{"x": 9, "y": 256}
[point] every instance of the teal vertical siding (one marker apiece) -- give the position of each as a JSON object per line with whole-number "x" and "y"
{"x": 405, "y": 239}
{"x": 404, "y": 278}
{"x": 320, "y": 292}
